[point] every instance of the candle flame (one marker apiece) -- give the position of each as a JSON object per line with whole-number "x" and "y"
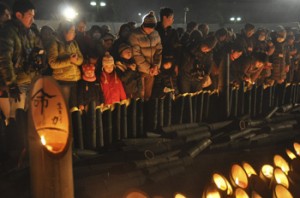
{"x": 43, "y": 140}
{"x": 237, "y": 181}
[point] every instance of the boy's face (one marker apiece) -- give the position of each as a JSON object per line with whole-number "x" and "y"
{"x": 109, "y": 68}
{"x": 27, "y": 18}
{"x": 168, "y": 20}
{"x": 126, "y": 54}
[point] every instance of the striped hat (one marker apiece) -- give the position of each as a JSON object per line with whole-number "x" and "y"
{"x": 107, "y": 60}
{"x": 149, "y": 20}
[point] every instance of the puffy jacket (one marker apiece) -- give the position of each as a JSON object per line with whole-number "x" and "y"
{"x": 147, "y": 49}
{"x": 59, "y": 60}
{"x": 112, "y": 88}
{"x": 16, "y": 42}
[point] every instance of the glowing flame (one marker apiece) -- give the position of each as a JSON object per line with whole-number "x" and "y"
{"x": 237, "y": 181}
{"x": 43, "y": 140}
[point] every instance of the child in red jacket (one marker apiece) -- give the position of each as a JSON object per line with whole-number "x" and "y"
{"x": 112, "y": 87}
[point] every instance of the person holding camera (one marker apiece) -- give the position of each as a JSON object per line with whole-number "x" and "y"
{"x": 196, "y": 66}
{"x": 16, "y": 44}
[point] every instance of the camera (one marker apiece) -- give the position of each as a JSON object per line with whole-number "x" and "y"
{"x": 35, "y": 60}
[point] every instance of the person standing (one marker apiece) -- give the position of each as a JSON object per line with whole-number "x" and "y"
{"x": 169, "y": 37}
{"x": 147, "y": 52}
{"x": 4, "y": 100}
{"x": 16, "y": 45}
{"x": 64, "y": 58}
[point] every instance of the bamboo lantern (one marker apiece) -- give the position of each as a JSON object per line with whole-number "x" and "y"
{"x": 280, "y": 162}
{"x": 255, "y": 195}
{"x": 297, "y": 148}
{"x": 248, "y": 169}
{"x": 281, "y": 192}
{"x": 290, "y": 154}
{"x": 266, "y": 173}
{"x": 49, "y": 141}
{"x": 222, "y": 183}
{"x": 240, "y": 193}
{"x": 179, "y": 195}
{"x": 213, "y": 191}
{"x": 258, "y": 187}
{"x": 279, "y": 177}
{"x": 238, "y": 176}
{"x": 135, "y": 194}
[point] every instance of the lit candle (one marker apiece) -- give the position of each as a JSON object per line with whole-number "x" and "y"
{"x": 240, "y": 193}
{"x": 280, "y": 162}
{"x": 238, "y": 176}
{"x": 281, "y": 192}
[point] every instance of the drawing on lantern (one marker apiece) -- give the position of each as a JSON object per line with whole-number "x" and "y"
{"x": 41, "y": 97}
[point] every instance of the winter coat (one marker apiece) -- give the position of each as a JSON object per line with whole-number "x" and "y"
{"x": 88, "y": 92}
{"x": 112, "y": 88}
{"x": 169, "y": 40}
{"x": 16, "y": 43}
{"x": 196, "y": 63}
{"x": 59, "y": 59}
{"x": 147, "y": 49}
{"x": 131, "y": 80}
{"x": 165, "y": 81}
{"x": 280, "y": 59}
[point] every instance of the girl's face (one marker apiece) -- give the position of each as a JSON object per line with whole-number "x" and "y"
{"x": 108, "y": 68}
{"x": 126, "y": 54}
{"x": 70, "y": 35}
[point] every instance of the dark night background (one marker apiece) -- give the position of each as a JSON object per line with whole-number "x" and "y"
{"x": 208, "y": 11}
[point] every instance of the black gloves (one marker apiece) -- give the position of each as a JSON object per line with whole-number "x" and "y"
{"x": 14, "y": 92}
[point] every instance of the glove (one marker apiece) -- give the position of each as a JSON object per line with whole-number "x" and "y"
{"x": 14, "y": 92}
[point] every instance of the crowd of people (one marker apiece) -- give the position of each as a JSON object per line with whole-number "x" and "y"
{"x": 145, "y": 62}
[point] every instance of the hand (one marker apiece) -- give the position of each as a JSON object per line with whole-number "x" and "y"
{"x": 153, "y": 71}
{"x": 14, "y": 92}
{"x": 74, "y": 58}
{"x": 132, "y": 67}
{"x": 81, "y": 107}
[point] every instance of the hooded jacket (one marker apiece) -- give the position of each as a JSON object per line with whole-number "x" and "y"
{"x": 147, "y": 49}
{"x": 59, "y": 60}
{"x": 16, "y": 42}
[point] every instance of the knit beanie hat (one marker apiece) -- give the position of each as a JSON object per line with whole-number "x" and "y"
{"x": 123, "y": 47}
{"x": 88, "y": 68}
{"x": 107, "y": 60}
{"x": 149, "y": 20}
